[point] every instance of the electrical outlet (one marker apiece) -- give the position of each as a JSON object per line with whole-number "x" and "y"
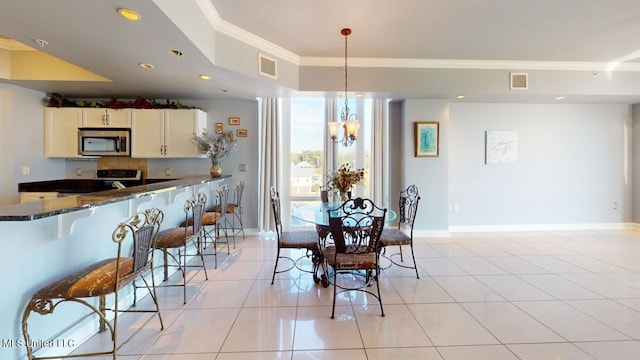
{"x": 456, "y": 208}
{"x": 615, "y": 205}
{"x": 78, "y": 171}
{"x": 26, "y": 170}
{"x": 243, "y": 167}
{"x": 167, "y": 172}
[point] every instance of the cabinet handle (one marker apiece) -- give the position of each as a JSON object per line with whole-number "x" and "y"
{"x": 104, "y": 120}
{"x": 161, "y": 149}
{"x": 166, "y": 150}
{"x": 108, "y": 119}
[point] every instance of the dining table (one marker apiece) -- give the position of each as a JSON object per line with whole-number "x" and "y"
{"x": 317, "y": 213}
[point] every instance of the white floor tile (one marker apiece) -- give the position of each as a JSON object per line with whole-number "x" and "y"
{"x": 398, "y": 328}
{"x": 467, "y": 289}
{"x": 609, "y": 350}
{"x": 261, "y": 329}
{"x": 510, "y": 324}
{"x": 559, "y": 287}
{"x": 483, "y": 352}
{"x": 513, "y": 288}
{"x": 568, "y": 322}
{"x": 552, "y": 351}
{"x": 450, "y": 324}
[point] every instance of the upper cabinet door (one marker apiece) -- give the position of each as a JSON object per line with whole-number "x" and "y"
{"x": 180, "y": 127}
{"x": 61, "y": 132}
{"x": 98, "y": 117}
{"x": 147, "y": 133}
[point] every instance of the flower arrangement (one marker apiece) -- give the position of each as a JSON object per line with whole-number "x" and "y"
{"x": 215, "y": 147}
{"x": 344, "y": 179}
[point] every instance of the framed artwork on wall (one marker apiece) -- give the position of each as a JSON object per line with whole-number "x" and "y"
{"x": 242, "y": 132}
{"x": 219, "y": 128}
{"x": 501, "y": 147}
{"x": 234, "y": 121}
{"x": 426, "y": 138}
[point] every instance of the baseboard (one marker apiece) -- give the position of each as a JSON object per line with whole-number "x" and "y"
{"x": 544, "y": 227}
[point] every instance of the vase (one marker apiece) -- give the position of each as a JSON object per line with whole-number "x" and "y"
{"x": 345, "y": 195}
{"x": 215, "y": 171}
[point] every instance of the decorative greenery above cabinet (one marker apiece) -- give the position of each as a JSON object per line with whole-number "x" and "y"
{"x": 59, "y": 100}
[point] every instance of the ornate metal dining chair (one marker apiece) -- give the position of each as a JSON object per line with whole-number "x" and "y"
{"x": 293, "y": 240}
{"x": 237, "y": 210}
{"x": 408, "y": 208}
{"x": 103, "y": 278}
{"x": 180, "y": 238}
{"x": 355, "y": 228}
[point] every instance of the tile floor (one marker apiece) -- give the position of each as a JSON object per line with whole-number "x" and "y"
{"x": 538, "y": 295}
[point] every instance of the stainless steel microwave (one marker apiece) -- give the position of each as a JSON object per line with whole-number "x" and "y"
{"x": 104, "y": 142}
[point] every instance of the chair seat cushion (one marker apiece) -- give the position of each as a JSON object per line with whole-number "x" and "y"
{"x": 299, "y": 239}
{"x": 350, "y": 261}
{"x": 392, "y": 237}
{"x": 173, "y": 238}
{"x": 94, "y": 280}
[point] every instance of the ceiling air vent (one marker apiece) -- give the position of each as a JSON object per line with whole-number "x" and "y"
{"x": 267, "y": 66}
{"x": 518, "y": 81}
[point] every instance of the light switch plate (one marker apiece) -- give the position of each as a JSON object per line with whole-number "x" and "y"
{"x": 243, "y": 167}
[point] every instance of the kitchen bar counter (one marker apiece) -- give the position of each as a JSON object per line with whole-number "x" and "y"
{"x": 49, "y": 239}
{"x": 46, "y": 208}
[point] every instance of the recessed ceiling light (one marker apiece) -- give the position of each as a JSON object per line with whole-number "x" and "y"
{"x": 205, "y": 77}
{"x": 223, "y": 90}
{"x": 129, "y": 14}
{"x": 146, "y": 66}
{"x": 560, "y": 97}
{"x": 359, "y": 95}
{"x": 176, "y": 53}
{"x": 460, "y": 97}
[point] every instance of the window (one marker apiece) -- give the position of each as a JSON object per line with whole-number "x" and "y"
{"x": 305, "y": 126}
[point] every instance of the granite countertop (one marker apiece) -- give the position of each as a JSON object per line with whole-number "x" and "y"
{"x": 46, "y": 208}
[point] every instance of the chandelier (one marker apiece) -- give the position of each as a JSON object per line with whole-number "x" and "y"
{"x": 348, "y": 121}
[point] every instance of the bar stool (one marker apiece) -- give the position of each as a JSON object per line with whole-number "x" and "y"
{"x": 180, "y": 238}
{"x": 237, "y": 210}
{"x": 218, "y": 220}
{"x": 102, "y": 278}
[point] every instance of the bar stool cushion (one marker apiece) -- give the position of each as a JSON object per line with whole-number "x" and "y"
{"x": 172, "y": 238}
{"x": 94, "y": 280}
{"x": 391, "y": 237}
{"x": 230, "y": 208}
{"x": 208, "y": 218}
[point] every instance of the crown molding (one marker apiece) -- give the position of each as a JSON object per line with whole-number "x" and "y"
{"x": 251, "y": 39}
{"x": 244, "y": 36}
{"x": 469, "y": 64}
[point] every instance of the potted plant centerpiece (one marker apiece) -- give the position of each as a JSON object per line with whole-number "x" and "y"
{"x": 215, "y": 147}
{"x": 344, "y": 179}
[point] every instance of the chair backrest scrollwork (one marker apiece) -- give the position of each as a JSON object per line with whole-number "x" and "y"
{"x": 356, "y": 226}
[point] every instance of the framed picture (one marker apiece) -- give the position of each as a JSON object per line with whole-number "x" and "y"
{"x": 501, "y": 147}
{"x": 234, "y": 121}
{"x": 426, "y": 138}
{"x": 219, "y": 128}
{"x": 242, "y": 132}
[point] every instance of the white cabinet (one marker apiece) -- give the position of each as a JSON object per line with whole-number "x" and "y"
{"x": 61, "y": 132}
{"x": 165, "y": 133}
{"x": 98, "y": 117}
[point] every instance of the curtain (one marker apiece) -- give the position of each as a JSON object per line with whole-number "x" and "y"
{"x": 269, "y": 166}
{"x": 330, "y": 148}
{"x": 380, "y": 160}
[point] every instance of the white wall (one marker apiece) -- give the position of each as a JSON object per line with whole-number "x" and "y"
{"x": 574, "y": 162}
{"x": 22, "y": 141}
{"x": 429, "y": 174}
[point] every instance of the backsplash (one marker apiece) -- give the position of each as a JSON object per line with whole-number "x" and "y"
{"x": 121, "y": 162}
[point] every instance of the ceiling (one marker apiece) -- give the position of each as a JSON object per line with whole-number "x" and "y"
{"x": 564, "y": 35}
